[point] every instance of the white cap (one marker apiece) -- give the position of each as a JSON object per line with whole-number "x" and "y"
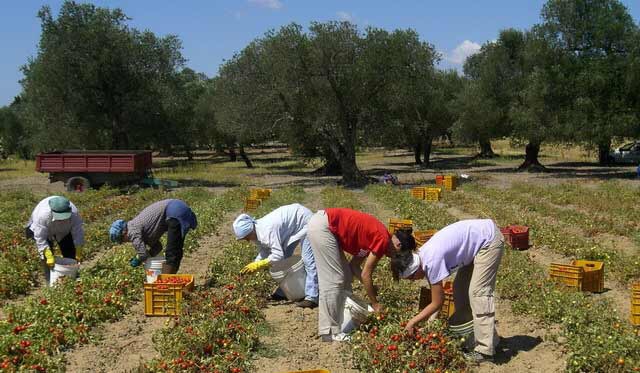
{"x": 412, "y": 267}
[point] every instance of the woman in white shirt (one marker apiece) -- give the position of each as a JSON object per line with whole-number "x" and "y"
{"x": 55, "y": 220}
{"x": 474, "y": 249}
{"x": 277, "y": 234}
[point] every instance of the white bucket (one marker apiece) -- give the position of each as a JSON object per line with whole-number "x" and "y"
{"x": 290, "y": 275}
{"x": 153, "y": 268}
{"x": 355, "y": 313}
{"x": 64, "y": 267}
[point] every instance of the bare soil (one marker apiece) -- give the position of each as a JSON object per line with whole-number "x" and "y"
{"x": 293, "y": 342}
{"x": 127, "y": 343}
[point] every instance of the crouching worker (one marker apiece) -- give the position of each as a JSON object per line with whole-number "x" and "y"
{"x": 55, "y": 220}
{"x": 334, "y": 231}
{"x": 277, "y": 234}
{"x": 474, "y": 248}
{"x": 172, "y": 216}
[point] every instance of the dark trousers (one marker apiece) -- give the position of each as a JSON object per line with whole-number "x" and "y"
{"x": 175, "y": 243}
{"x": 67, "y": 247}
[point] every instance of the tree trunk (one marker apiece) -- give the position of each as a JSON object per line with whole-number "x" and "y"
{"x": 232, "y": 154}
{"x": 485, "y": 149}
{"x": 119, "y": 137}
{"x": 426, "y": 149}
{"x": 346, "y": 156}
{"x": 603, "y": 152}
{"x": 417, "y": 152}
{"x": 331, "y": 166}
{"x": 245, "y": 158}
{"x": 531, "y": 162}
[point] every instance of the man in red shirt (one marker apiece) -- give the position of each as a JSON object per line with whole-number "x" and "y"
{"x": 332, "y": 231}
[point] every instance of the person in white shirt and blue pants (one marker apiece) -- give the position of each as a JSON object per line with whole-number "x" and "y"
{"x": 277, "y": 234}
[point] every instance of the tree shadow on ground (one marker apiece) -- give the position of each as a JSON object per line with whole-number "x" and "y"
{"x": 171, "y": 163}
{"x": 187, "y": 183}
{"x": 511, "y": 346}
{"x": 8, "y": 169}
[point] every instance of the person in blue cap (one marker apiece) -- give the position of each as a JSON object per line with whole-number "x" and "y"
{"x": 171, "y": 216}
{"x": 55, "y": 220}
{"x": 276, "y": 235}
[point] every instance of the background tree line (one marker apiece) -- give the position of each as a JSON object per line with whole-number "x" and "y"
{"x": 328, "y": 89}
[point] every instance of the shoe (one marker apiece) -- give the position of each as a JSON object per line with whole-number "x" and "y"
{"x": 277, "y": 297}
{"x": 340, "y": 337}
{"x": 305, "y": 303}
{"x": 475, "y": 357}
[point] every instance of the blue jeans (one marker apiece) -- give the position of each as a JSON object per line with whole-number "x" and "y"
{"x": 311, "y": 281}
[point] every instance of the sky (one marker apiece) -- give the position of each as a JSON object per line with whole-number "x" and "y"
{"x": 213, "y": 30}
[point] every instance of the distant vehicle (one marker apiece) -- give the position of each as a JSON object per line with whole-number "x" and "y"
{"x": 82, "y": 169}
{"x": 628, "y": 153}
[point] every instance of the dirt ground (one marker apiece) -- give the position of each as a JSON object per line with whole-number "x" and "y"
{"x": 127, "y": 343}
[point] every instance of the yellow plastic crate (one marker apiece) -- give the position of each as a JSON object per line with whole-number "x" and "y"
{"x": 250, "y": 204}
{"x": 450, "y": 182}
{"x": 448, "y": 307}
{"x": 635, "y": 304}
{"x": 422, "y": 237}
{"x": 566, "y": 274}
{"x": 593, "y": 278}
{"x": 400, "y": 224}
{"x": 165, "y": 299}
{"x": 259, "y": 193}
{"x": 418, "y": 192}
{"x": 433, "y": 194}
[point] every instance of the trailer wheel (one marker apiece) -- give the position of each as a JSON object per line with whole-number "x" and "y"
{"x": 77, "y": 184}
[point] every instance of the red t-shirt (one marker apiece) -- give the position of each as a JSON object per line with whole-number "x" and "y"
{"x": 358, "y": 233}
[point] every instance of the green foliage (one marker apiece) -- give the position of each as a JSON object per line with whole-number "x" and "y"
{"x": 340, "y": 197}
{"x": 101, "y": 84}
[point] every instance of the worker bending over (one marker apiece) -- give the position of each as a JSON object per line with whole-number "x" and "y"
{"x": 277, "y": 234}
{"x": 172, "y": 216}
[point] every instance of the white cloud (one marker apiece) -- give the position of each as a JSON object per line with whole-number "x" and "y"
{"x": 271, "y": 4}
{"x": 460, "y": 53}
{"x": 345, "y": 16}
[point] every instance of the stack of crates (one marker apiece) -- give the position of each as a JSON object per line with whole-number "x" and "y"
{"x": 584, "y": 275}
{"x": 433, "y": 194}
{"x": 635, "y": 304}
{"x": 260, "y": 194}
{"x": 422, "y": 237}
{"x": 256, "y": 196}
{"x": 165, "y": 299}
{"x": 450, "y": 182}
{"x": 400, "y": 225}
{"x": 448, "y": 307}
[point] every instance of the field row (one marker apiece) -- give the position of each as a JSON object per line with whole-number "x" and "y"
{"x": 596, "y": 338}
{"x": 37, "y": 330}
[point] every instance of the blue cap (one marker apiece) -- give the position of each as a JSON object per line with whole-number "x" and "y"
{"x": 243, "y": 225}
{"x": 115, "y": 232}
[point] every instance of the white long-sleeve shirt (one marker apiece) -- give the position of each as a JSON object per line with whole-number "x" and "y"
{"x": 45, "y": 229}
{"x": 281, "y": 228}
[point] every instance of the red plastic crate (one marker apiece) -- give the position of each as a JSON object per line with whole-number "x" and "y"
{"x": 439, "y": 179}
{"x": 517, "y": 236}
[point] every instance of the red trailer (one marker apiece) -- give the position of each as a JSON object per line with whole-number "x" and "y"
{"x": 80, "y": 169}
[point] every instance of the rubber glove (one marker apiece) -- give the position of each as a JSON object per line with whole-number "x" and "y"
{"x": 255, "y": 266}
{"x": 48, "y": 256}
{"x": 135, "y": 261}
{"x": 78, "y": 254}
